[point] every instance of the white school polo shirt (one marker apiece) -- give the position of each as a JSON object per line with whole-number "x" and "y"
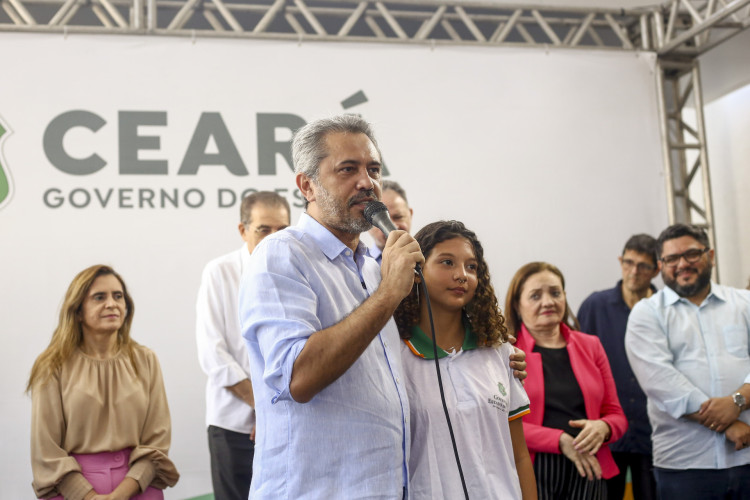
{"x": 482, "y": 397}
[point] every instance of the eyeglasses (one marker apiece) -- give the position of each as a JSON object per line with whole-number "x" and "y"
{"x": 266, "y": 230}
{"x": 640, "y": 267}
{"x": 691, "y": 257}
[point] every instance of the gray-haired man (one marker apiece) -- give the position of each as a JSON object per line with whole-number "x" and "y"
{"x": 316, "y": 313}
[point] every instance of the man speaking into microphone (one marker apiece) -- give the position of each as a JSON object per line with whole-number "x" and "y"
{"x": 315, "y": 311}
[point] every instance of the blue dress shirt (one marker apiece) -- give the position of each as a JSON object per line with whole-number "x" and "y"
{"x": 350, "y": 440}
{"x": 376, "y": 253}
{"x": 684, "y": 354}
{"x": 605, "y": 314}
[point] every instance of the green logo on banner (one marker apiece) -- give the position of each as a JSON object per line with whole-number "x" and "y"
{"x": 4, "y": 172}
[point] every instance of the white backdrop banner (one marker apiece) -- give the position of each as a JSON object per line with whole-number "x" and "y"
{"x": 135, "y": 152}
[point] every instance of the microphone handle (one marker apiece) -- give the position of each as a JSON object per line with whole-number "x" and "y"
{"x": 382, "y": 221}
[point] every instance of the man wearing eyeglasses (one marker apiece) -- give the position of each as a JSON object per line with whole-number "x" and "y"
{"x": 230, "y": 414}
{"x": 689, "y": 346}
{"x": 605, "y": 314}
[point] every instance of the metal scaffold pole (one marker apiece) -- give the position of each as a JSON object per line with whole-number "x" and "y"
{"x": 685, "y": 152}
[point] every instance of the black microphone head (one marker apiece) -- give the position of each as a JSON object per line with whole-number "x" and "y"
{"x": 373, "y": 208}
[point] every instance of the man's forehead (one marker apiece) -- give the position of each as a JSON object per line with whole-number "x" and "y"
{"x": 262, "y": 210}
{"x": 350, "y": 142}
{"x": 681, "y": 242}
{"x": 636, "y": 255}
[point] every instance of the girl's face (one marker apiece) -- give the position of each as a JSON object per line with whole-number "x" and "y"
{"x": 451, "y": 274}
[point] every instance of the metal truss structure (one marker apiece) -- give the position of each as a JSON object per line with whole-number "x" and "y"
{"x": 684, "y": 148}
{"x": 683, "y": 132}
{"x": 678, "y": 31}
{"x": 678, "y": 28}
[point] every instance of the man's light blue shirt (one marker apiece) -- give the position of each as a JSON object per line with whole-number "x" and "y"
{"x": 376, "y": 253}
{"x": 350, "y": 440}
{"x": 682, "y": 355}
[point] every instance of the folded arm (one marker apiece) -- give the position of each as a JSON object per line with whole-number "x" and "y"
{"x": 719, "y": 413}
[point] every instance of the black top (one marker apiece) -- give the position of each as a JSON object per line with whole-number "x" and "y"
{"x": 563, "y": 399}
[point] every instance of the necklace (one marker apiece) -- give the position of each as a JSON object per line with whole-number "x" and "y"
{"x": 454, "y": 346}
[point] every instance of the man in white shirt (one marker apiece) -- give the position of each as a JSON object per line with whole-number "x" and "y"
{"x": 230, "y": 414}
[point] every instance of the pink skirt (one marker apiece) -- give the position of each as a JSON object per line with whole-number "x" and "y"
{"x": 106, "y": 470}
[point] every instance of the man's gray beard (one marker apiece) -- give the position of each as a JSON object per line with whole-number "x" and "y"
{"x": 687, "y": 291}
{"x": 340, "y": 218}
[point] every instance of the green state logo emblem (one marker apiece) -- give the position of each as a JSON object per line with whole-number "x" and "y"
{"x": 5, "y": 180}
{"x": 501, "y": 388}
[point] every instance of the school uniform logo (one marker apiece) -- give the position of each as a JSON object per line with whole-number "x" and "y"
{"x": 500, "y": 401}
{"x": 501, "y": 388}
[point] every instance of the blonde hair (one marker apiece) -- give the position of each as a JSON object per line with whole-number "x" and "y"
{"x": 68, "y": 335}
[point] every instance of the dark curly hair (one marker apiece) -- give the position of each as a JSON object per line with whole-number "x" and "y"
{"x": 483, "y": 312}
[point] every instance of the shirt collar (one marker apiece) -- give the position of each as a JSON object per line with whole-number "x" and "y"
{"x": 375, "y": 252}
{"x": 718, "y": 292}
{"x": 421, "y": 345}
{"x": 617, "y": 297}
{"x": 671, "y": 297}
{"x": 328, "y": 243}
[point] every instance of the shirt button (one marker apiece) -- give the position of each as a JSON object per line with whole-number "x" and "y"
{"x": 348, "y": 253}
{"x": 398, "y": 380}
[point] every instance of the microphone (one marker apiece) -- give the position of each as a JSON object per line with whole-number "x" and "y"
{"x": 376, "y": 214}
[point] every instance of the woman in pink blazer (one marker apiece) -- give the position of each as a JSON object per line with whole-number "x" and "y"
{"x": 574, "y": 407}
